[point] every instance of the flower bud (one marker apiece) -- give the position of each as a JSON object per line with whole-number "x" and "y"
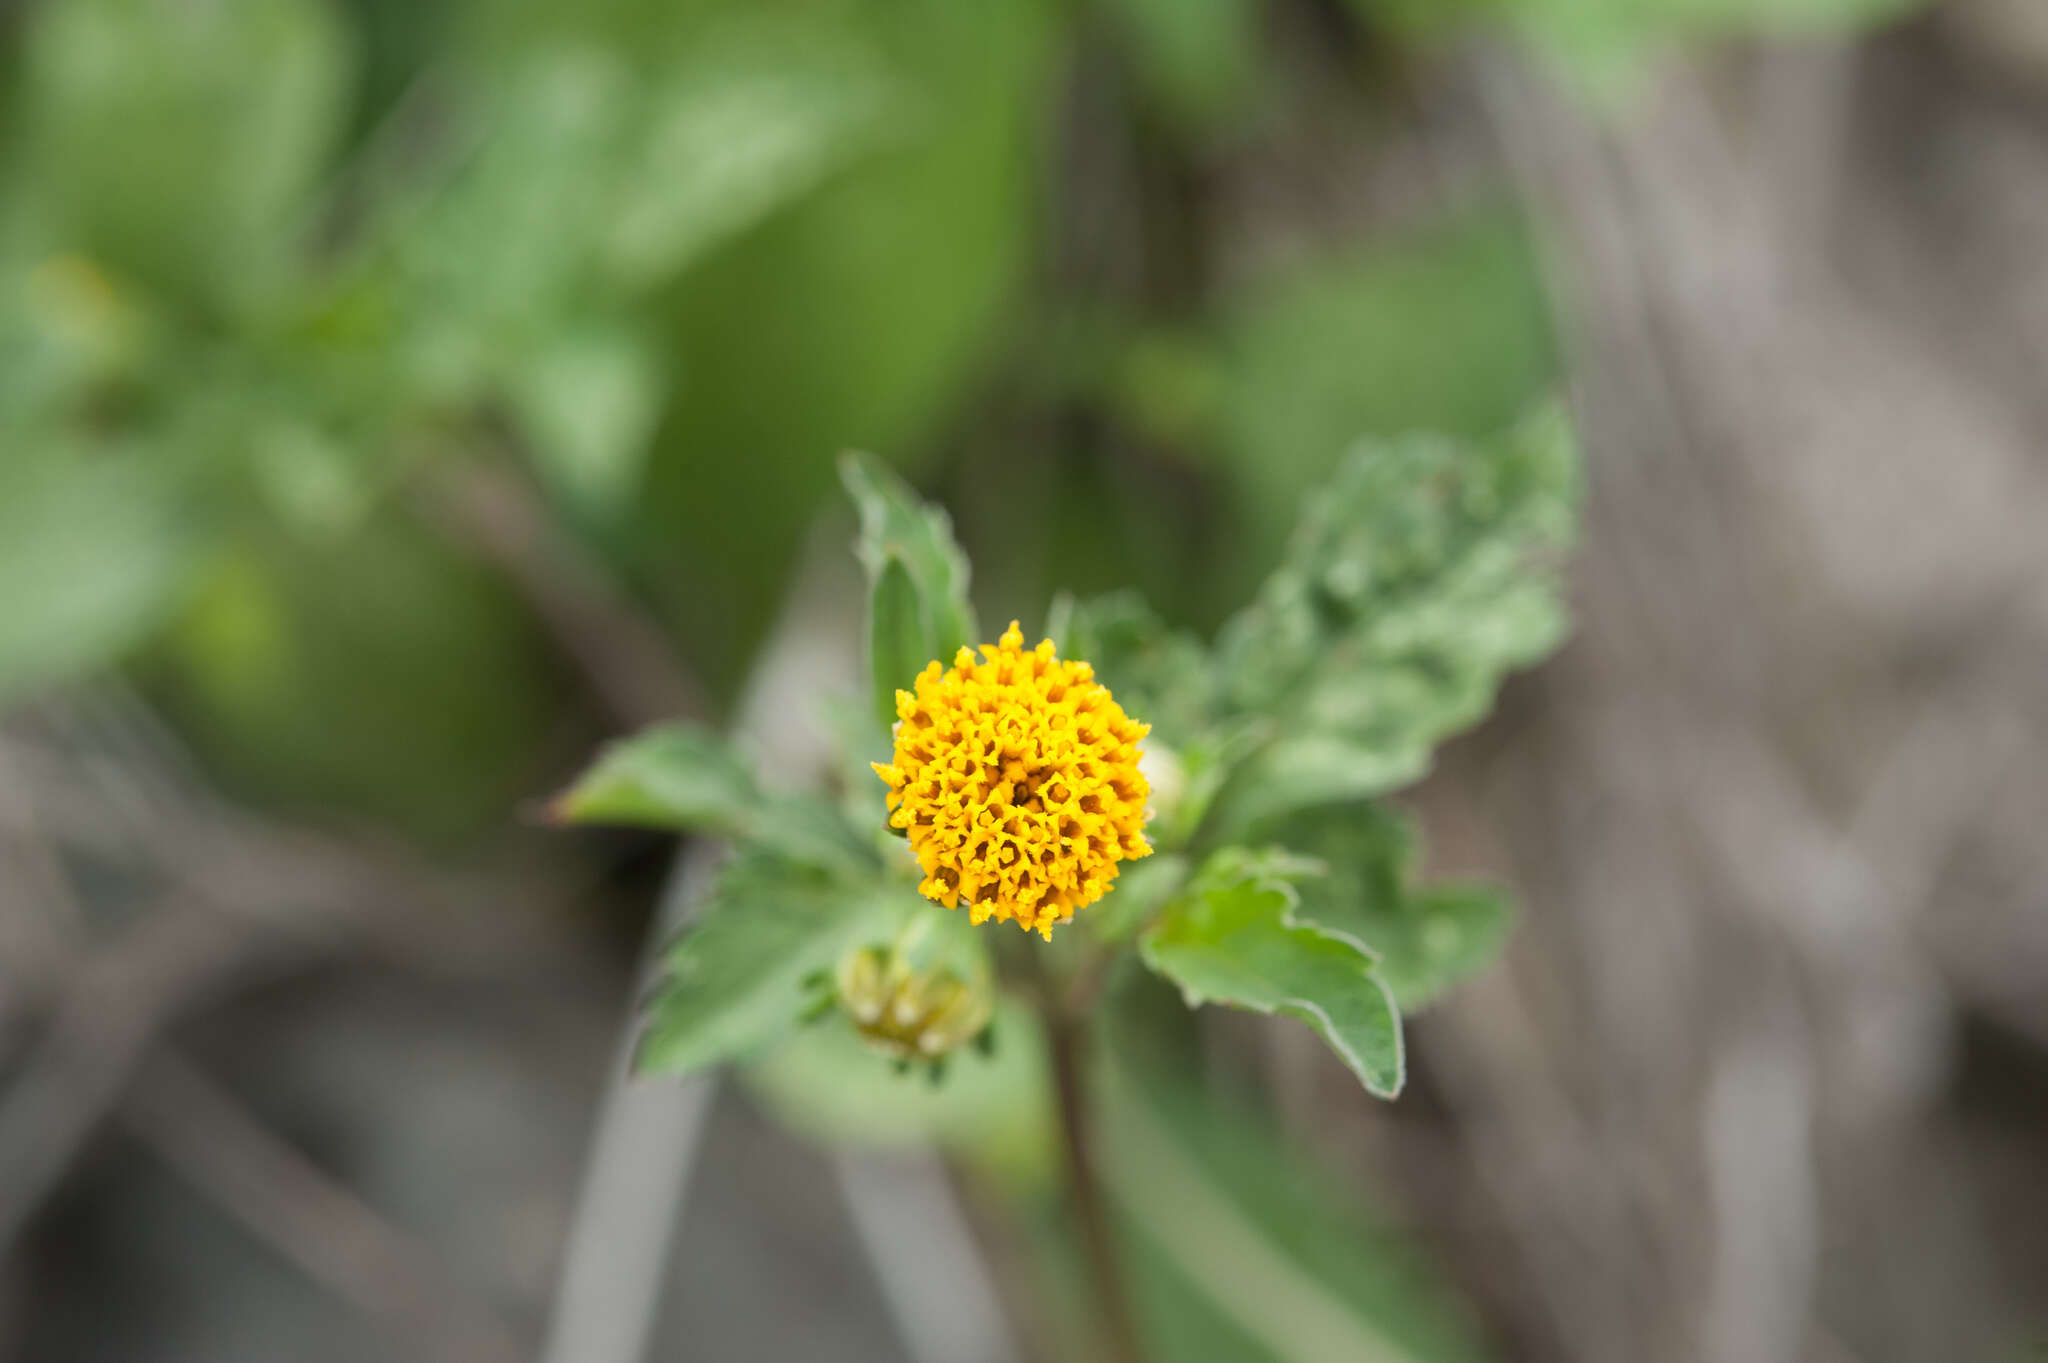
{"x": 920, "y": 997}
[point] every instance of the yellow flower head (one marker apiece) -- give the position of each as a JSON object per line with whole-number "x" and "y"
{"x": 1016, "y": 780}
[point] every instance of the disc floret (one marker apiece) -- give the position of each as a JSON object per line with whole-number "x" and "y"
{"x": 1016, "y": 781}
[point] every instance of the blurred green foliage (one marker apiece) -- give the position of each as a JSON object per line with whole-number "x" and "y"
{"x": 1451, "y": 326}
{"x": 390, "y": 639}
{"x": 265, "y": 265}
{"x": 1608, "y": 44}
{"x": 184, "y": 145}
{"x": 271, "y": 269}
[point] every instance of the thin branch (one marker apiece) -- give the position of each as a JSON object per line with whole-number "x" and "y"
{"x": 623, "y": 655}
{"x": 109, "y": 1016}
{"x": 246, "y": 899}
{"x": 200, "y": 1130}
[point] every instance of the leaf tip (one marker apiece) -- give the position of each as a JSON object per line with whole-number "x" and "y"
{"x": 859, "y": 472}
{"x": 564, "y": 809}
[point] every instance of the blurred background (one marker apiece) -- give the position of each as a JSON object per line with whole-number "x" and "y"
{"x": 400, "y": 397}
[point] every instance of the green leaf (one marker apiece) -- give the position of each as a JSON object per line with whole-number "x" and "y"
{"x": 1427, "y": 938}
{"x": 896, "y": 528}
{"x": 899, "y": 642}
{"x": 424, "y": 671}
{"x": 1206, "y": 765}
{"x": 1415, "y": 581}
{"x": 736, "y": 979}
{"x": 1248, "y": 1252}
{"x": 94, "y": 554}
{"x": 315, "y": 483}
{"x": 1196, "y": 58}
{"x": 1233, "y": 937}
{"x": 680, "y": 776}
{"x": 588, "y": 399}
{"x": 1320, "y": 768}
{"x": 1452, "y": 931}
{"x": 759, "y": 115}
{"x": 481, "y": 262}
{"x": 181, "y": 143}
{"x": 673, "y": 776}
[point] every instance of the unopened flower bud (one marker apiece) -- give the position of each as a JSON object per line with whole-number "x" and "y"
{"x": 915, "y": 999}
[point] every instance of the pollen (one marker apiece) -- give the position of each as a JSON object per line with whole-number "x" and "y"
{"x": 1015, "y": 780}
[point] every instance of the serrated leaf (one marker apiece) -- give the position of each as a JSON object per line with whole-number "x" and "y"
{"x": 899, "y": 643}
{"x": 1427, "y": 938}
{"x": 1424, "y": 573}
{"x": 1233, "y": 937}
{"x": 680, "y": 776}
{"x": 736, "y": 979}
{"x": 895, "y": 527}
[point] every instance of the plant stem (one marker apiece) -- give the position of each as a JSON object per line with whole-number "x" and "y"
{"x": 1067, "y": 1037}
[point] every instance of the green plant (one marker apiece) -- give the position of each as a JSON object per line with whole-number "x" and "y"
{"x": 1269, "y": 876}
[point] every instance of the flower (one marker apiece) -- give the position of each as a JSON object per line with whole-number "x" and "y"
{"x": 1016, "y": 781}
